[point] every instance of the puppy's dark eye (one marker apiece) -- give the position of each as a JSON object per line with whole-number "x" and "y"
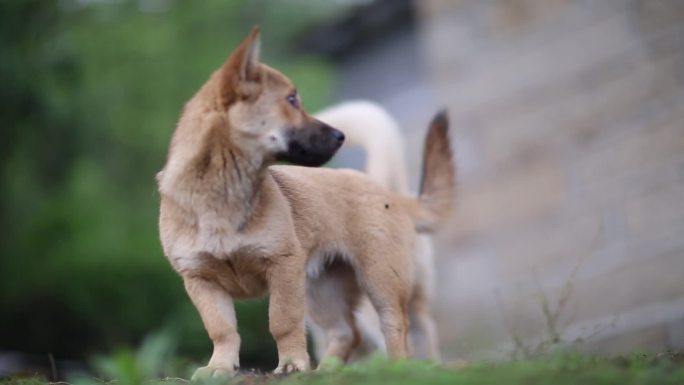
{"x": 292, "y": 99}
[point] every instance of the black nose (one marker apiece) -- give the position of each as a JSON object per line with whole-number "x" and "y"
{"x": 338, "y": 135}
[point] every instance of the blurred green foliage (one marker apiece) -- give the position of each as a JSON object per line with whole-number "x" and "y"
{"x": 90, "y": 94}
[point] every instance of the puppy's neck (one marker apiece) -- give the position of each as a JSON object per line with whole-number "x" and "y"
{"x": 213, "y": 178}
{"x": 239, "y": 184}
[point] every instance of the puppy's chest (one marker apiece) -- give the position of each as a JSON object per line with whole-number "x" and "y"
{"x": 234, "y": 261}
{"x": 242, "y": 275}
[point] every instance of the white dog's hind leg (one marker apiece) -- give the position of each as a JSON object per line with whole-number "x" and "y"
{"x": 332, "y": 299}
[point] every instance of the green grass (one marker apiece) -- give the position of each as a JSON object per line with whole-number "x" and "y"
{"x": 563, "y": 369}
{"x": 566, "y": 369}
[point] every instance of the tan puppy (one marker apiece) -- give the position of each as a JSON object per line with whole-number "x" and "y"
{"x": 369, "y": 126}
{"x": 234, "y": 226}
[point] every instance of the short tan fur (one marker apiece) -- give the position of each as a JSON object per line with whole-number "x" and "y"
{"x": 235, "y": 226}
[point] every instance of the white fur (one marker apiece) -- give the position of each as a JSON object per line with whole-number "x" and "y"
{"x": 275, "y": 140}
{"x": 369, "y": 126}
{"x": 316, "y": 264}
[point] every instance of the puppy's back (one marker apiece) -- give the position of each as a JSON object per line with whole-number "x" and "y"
{"x": 341, "y": 205}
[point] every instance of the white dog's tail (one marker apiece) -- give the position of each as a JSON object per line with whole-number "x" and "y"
{"x": 369, "y": 126}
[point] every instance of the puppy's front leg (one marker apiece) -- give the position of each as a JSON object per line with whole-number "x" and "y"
{"x": 218, "y": 315}
{"x": 286, "y": 313}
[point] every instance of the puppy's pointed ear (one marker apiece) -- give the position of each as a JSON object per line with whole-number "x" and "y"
{"x": 249, "y": 66}
{"x": 241, "y": 73}
{"x": 243, "y": 63}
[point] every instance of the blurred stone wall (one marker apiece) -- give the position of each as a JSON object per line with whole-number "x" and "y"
{"x": 568, "y": 119}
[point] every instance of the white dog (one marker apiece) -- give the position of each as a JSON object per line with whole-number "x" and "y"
{"x": 370, "y": 127}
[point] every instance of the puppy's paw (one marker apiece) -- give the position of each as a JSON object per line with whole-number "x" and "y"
{"x": 292, "y": 366}
{"x": 213, "y": 372}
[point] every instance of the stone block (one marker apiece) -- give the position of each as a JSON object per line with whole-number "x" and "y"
{"x": 508, "y": 201}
